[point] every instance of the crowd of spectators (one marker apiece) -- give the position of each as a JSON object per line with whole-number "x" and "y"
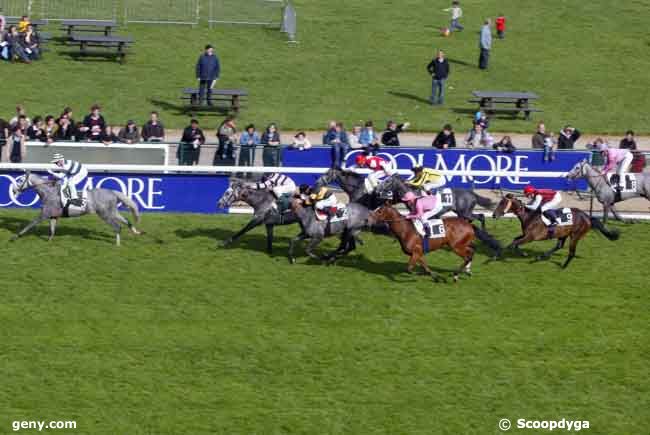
{"x": 19, "y": 42}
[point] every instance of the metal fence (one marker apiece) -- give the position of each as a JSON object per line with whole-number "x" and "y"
{"x": 162, "y": 11}
{"x": 250, "y": 12}
{"x": 58, "y": 10}
{"x": 289, "y": 22}
{"x": 16, "y": 8}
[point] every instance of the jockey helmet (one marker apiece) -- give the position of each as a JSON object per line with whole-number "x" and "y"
{"x": 361, "y": 160}
{"x": 529, "y": 190}
{"x": 57, "y": 158}
{"x": 417, "y": 168}
{"x": 408, "y": 197}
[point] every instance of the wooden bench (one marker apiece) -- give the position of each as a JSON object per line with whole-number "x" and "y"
{"x": 13, "y": 21}
{"x": 119, "y": 43}
{"x": 101, "y": 26}
{"x": 235, "y": 98}
{"x": 505, "y": 102}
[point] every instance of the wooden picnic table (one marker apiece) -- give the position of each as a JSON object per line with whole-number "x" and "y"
{"x": 12, "y": 21}
{"x": 506, "y": 101}
{"x": 101, "y": 26}
{"x": 235, "y": 97}
{"x": 103, "y": 41}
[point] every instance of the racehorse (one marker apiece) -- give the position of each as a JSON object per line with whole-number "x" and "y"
{"x": 102, "y": 202}
{"x": 604, "y": 191}
{"x": 464, "y": 200}
{"x": 316, "y": 230}
{"x": 264, "y": 211}
{"x": 459, "y": 236}
{"x": 534, "y": 229}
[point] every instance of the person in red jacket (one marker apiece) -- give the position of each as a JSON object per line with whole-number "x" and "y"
{"x": 500, "y": 23}
{"x": 545, "y": 200}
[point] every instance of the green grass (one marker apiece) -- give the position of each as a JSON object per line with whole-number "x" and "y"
{"x": 170, "y": 334}
{"x": 366, "y": 60}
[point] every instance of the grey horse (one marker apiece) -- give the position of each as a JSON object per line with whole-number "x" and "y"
{"x": 463, "y": 200}
{"x": 102, "y": 202}
{"x": 316, "y": 230}
{"x": 264, "y": 211}
{"x": 604, "y": 191}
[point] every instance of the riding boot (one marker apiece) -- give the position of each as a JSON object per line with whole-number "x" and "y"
{"x": 618, "y": 194}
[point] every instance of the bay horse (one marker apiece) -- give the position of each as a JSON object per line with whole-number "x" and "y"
{"x": 534, "y": 229}
{"x": 459, "y": 236}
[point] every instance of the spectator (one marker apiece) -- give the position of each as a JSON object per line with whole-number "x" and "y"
{"x": 31, "y": 43}
{"x": 271, "y": 141}
{"x": 17, "y": 148}
{"x": 478, "y": 137}
{"x": 481, "y": 118}
{"x": 36, "y": 130}
{"x": 500, "y": 23}
{"x": 50, "y": 129}
{"x": 390, "y": 137}
{"x": 337, "y": 139}
{"x": 14, "y": 42}
{"x": 129, "y": 134}
{"x": 107, "y": 136}
{"x": 439, "y": 70}
{"x": 4, "y": 46}
{"x": 65, "y": 130}
{"x": 93, "y": 124}
{"x": 189, "y": 150}
{"x": 505, "y": 145}
{"x": 550, "y": 145}
{"x": 24, "y": 23}
{"x": 567, "y": 138}
{"x": 227, "y": 135}
{"x": 153, "y": 130}
{"x": 369, "y": 139}
{"x": 4, "y": 135}
{"x": 207, "y": 72}
{"x": 20, "y": 111}
{"x": 539, "y": 136}
{"x": 456, "y": 15}
{"x": 485, "y": 44}
{"x": 331, "y": 127}
{"x": 445, "y": 139}
{"x": 248, "y": 141}
{"x": 301, "y": 142}
{"x": 628, "y": 141}
{"x": 67, "y": 113}
{"x": 353, "y": 138}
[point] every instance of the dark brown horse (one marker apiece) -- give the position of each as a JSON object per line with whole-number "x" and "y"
{"x": 534, "y": 229}
{"x": 459, "y": 236}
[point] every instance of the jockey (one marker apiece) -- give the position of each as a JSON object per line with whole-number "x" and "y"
{"x": 545, "y": 200}
{"x": 380, "y": 167}
{"x": 616, "y": 159}
{"x": 281, "y": 186}
{"x": 72, "y": 174}
{"x": 428, "y": 180}
{"x": 321, "y": 198}
{"x": 422, "y": 208}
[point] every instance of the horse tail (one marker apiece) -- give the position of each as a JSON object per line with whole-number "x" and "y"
{"x": 483, "y": 201}
{"x": 130, "y": 204}
{"x": 612, "y": 234}
{"x": 488, "y": 239}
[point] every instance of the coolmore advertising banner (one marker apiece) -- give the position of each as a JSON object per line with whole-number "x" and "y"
{"x": 198, "y": 193}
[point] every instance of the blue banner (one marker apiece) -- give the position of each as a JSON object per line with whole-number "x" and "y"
{"x": 196, "y": 193}
{"x": 460, "y": 160}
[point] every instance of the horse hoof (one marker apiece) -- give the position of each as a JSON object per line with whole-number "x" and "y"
{"x": 456, "y": 278}
{"x": 13, "y": 239}
{"x": 523, "y": 254}
{"x": 468, "y": 272}
{"x": 226, "y": 243}
{"x": 292, "y": 260}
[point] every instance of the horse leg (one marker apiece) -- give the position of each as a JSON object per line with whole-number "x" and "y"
{"x": 309, "y": 250}
{"x": 298, "y": 238}
{"x": 572, "y": 250}
{"x": 515, "y": 245}
{"x": 480, "y": 217}
{"x": 112, "y": 221}
{"x": 53, "y": 222}
{"x": 269, "y": 238}
{"x": 28, "y": 227}
{"x": 616, "y": 215}
{"x": 126, "y": 222}
{"x": 546, "y": 255}
{"x": 466, "y": 252}
{"x": 249, "y": 226}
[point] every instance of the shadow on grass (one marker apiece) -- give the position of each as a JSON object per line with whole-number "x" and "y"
{"x": 188, "y": 110}
{"x": 411, "y": 97}
{"x": 93, "y": 56}
{"x": 459, "y": 62}
{"x": 42, "y": 230}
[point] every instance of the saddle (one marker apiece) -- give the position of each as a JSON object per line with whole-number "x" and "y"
{"x": 627, "y": 184}
{"x": 333, "y": 214}
{"x": 564, "y": 217}
{"x": 430, "y": 229}
{"x": 71, "y": 204}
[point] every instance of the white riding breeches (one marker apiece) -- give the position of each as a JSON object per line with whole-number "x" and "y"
{"x": 624, "y": 165}
{"x": 72, "y": 182}
{"x": 428, "y": 187}
{"x": 287, "y": 188}
{"x": 373, "y": 179}
{"x": 327, "y": 203}
{"x": 554, "y": 203}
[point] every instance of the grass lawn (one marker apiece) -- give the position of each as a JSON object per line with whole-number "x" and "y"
{"x": 366, "y": 60}
{"x": 171, "y": 335}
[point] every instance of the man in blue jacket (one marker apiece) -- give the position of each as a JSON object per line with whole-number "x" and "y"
{"x": 207, "y": 71}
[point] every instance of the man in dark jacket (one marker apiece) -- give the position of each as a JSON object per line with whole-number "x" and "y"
{"x": 390, "y": 136}
{"x": 445, "y": 139}
{"x": 153, "y": 130}
{"x": 189, "y": 150}
{"x": 567, "y": 138}
{"x": 439, "y": 70}
{"x": 207, "y": 71}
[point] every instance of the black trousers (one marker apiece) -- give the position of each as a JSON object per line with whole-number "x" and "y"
{"x": 205, "y": 87}
{"x": 484, "y": 58}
